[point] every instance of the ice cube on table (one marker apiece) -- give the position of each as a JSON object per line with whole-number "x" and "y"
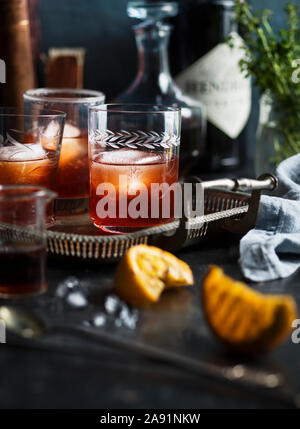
{"x": 69, "y": 284}
{"x": 22, "y": 152}
{"x": 99, "y": 320}
{"x": 72, "y": 283}
{"x": 112, "y": 304}
{"x": 123, "y": 315}
{"x": 127, "y": 318}
{"x": 76, "y": 299}
{"x": 61, "y": 290}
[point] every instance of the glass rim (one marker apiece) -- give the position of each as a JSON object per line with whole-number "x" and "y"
{"x": 27, "y": 192}
{"x": 136, "y": 108}
{"x": 12, "y": 112}
{"x": 44, "y": 94}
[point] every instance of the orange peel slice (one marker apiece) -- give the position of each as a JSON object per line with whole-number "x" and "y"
{"x": 243, "y": 318}
{"x": 146, "y": 271}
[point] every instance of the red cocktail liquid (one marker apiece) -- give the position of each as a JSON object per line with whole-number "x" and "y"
{"x": 139, "y": 167}
{"x": 73, "y": 172}
{"x": 72, "y": 184}
{"x": 30, "y": 164}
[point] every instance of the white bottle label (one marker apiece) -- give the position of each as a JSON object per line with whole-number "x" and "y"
{"x": 217, "y": 81}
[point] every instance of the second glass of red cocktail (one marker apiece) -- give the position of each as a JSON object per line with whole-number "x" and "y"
{"x": 133, "y": 161}
{"x": 72, "y": 185}
{"x": 29, "y": 149}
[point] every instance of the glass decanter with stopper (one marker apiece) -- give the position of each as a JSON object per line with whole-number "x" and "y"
{"x": 154, "y": 84}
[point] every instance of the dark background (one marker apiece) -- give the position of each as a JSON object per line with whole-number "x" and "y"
{"x": 103, "y": 28}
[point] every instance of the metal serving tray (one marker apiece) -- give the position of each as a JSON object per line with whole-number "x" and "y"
{"x": 229, "y": 204}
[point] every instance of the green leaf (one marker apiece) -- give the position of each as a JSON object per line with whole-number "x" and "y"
{"x": 268, "y": 57}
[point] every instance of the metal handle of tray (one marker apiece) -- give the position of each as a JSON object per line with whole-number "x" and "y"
{"x": 264, "y": 182}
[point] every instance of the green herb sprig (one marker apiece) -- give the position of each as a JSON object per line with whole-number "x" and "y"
{"x": 268, "y": 58}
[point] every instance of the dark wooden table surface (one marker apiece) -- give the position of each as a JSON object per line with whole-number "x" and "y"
{"x": 85, "y": 377}
{"x": 69, "y": 372}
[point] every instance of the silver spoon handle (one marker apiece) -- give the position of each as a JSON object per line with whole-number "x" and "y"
{"x": 240, "y": 374}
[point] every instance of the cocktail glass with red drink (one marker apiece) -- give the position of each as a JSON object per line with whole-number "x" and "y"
{"x": 133, "y": 160}
{"x": 72, "y": 176}
{"x": 30, "y": 147}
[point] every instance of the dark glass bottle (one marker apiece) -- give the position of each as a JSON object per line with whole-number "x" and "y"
{"x": 207, "y": 69}
{"x": 153, "y": 83}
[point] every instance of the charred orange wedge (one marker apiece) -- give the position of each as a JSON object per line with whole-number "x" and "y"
{"x": 145, "y": 271}
{"x": 243, "y": 318}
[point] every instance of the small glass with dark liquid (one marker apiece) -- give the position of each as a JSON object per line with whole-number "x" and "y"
{"x": 133, "y": 161}
{"x": 72, "y": 184}
{"x": 22, "y": 240}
